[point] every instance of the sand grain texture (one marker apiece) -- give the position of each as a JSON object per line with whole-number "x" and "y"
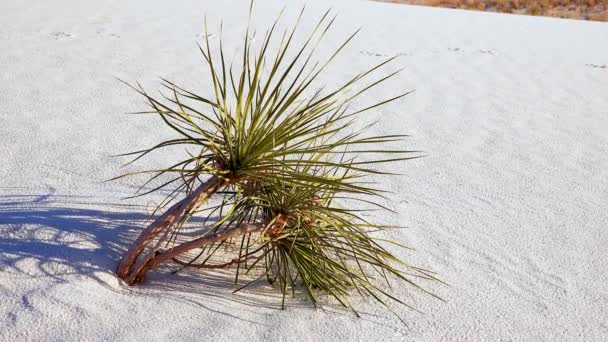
{"x": 510, "y": 207}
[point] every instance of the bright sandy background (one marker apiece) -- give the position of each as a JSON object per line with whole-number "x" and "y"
{"x": 510, "y": 207}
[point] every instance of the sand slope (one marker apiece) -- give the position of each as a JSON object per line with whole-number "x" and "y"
{"x": 510, "y": 207}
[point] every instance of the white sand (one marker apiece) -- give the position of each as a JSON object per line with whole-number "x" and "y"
{"x": 510, "y": 207}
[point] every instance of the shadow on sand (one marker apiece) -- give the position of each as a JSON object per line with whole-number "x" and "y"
{"x": 66, "y": 231}
{"x": 66, "y": 236}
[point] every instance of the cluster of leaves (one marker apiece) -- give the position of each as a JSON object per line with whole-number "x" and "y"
{"x": 284, "y": 156}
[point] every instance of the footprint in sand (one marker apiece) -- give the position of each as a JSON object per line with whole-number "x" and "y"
{"x": 378, "y": 54}
{"x": 61, "y": 35}
{"x": 489, "y": 51}
{"x": 372, "y": 53}
{"x": 203, "y": 35}
{"x": 103, "y": 32}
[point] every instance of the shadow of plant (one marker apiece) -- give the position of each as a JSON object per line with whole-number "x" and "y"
{"x": 64, "y": 235}
{"x": 58, "y": 237}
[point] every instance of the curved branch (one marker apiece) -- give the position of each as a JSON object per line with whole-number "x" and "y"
{"x": 242, "y": 258}
{"x": 165, "y": 221}
{"x": 224, "y": 265}
{"x": 155, "y": 258}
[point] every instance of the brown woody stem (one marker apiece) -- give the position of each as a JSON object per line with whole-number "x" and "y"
{"x": 155, "y": 258}
{"x": 224, "y": 265}
{"x": 241, "y": 258}
{"x": 165, "y": 221}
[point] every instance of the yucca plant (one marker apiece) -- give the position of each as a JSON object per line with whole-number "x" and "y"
{"x": 320, "y": 246}
{"x": 278, "y": 153}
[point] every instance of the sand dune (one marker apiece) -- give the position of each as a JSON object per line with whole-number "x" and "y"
{"x": 510, "y": 207}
